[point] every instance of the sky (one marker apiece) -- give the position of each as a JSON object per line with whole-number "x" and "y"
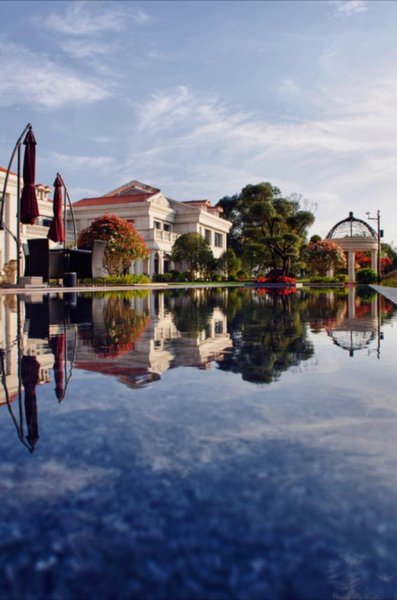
{"x": 202, "y": 98}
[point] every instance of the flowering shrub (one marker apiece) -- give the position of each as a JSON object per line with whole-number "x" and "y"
{"x": 283, "y": 279}
{"x": 123, "y": 242}
{"x": 323, "y": 256}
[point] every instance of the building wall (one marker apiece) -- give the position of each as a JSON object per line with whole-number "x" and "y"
{"x": 159, "y": 221}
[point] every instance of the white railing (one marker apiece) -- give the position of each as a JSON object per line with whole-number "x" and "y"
{"x": 165, "y": 236}
{"x": 160, "y": 236}
{"x": 35, "y": 231}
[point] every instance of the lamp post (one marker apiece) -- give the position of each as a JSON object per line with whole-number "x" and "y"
{"x": 380, "y": 235}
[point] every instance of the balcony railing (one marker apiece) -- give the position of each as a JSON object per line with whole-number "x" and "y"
{"x": 159, "y": 235}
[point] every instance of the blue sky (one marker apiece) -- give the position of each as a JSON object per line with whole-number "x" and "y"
{"x": 202, "y": 98}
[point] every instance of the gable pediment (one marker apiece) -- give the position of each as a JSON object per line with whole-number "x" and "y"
{"x": 133, "y": 187}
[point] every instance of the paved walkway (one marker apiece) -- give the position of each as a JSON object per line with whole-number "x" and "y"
{"x": 388, "y": 292}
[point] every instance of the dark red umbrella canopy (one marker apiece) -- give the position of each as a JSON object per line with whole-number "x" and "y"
{"x": 56, "y": 232}
{"x": 29, "y": 210}
{"x": 57, "y": 345}
{"x": 30, "y": 377}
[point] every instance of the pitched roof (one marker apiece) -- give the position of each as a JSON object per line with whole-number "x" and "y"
{"x": 4, "y": 170}
{"x": 133, "y": 187}
{"x": 105, "y": 200}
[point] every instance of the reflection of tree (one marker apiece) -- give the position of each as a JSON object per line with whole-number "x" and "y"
{"x": 327, "y": 308}
{"x": 122, "y": 327}
{"x": 269, "y": 336}
{"x": 193, "y": 309}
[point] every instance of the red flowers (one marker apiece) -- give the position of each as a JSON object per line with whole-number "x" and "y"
{"x": 283, "y": 279}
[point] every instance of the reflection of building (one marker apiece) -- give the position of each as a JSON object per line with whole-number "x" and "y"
{"x": 12, "y": 319}
{"x": 160, "y": 347}
{"x": 159, "y": 220}
{"x": 360, "y": 325}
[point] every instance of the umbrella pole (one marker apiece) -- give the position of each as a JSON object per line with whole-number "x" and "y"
{"x": 3, "y": 196}
{"x": 67, "y": 197}
{"x": 3, "y": 226}
{"x": 18, "y": 214}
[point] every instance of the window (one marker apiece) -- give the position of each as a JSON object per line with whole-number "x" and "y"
{"x": 218, "y": 327}
{"x": 157, "y": 225}
{"x": 218, "y": 240}
{"x": 208, "y": 236}
{"x": 167, "y": 227}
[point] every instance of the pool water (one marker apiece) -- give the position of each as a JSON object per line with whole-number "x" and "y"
{"x": 198, "y": 443}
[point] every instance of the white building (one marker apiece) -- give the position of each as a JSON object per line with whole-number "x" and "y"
{"x": 158, "y": 219}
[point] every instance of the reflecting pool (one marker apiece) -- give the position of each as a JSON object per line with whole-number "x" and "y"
{"x": 199, "y": 443}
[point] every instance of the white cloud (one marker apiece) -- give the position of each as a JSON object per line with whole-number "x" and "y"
{"x": 335, "y": 159}
{"x": 75, "y": 162}
{"x": 81, "y": 49}
{"x": 86, "y": 18}
{"x": 28, "y": 78}
{"x": 349, "y": 7}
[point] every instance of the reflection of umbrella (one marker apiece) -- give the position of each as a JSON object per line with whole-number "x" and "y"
{"x": 30, "y": 377}
{"x": 56, "y": 232}
{"x": 29, "y": 210}
{"x": 57, "y": 345}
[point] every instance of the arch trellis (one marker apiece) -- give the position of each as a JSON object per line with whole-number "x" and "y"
{"x": 355, "y": 235}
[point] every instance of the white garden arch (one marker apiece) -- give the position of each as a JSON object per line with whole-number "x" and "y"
{"x": 355, "y": 235}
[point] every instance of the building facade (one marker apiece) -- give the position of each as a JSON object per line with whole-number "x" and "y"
{"x": 158, "y": 219}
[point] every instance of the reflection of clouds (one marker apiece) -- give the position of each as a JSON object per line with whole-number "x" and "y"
{"x": 52, "y": 479}
{"x": 199, "y": 421}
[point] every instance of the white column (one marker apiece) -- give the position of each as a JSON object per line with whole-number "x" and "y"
{"x": 351, "y": 303}
{"x": 351, "y": 266}
{"x": 160, "y": 254}
{"x": 151, "y": 263}
{"x": 374, "y": 260}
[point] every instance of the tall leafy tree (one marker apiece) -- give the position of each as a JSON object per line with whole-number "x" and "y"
{"x": 269, "y": 230}
{"x": 192, "y": 249}
{"x": 123, "y": 242}
{"x": 228, "y": 262}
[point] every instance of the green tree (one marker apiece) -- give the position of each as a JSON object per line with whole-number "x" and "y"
{"x": 192, "y": 249}
{"x": 269, "y": 230}
{"x": 323, "y": 256}
{"x": 231, "y": 212}
{"x": 228, "y": 262}
{"x": 123, "y": 243}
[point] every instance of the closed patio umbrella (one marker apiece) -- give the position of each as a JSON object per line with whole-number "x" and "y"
{"x": 29, "y": 210}
{"x": 56, "y": 232}
{"x": 30, "y": 377}
{"x": 57, "y": 344}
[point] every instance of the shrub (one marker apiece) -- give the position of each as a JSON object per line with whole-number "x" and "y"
{"x": 126, "y": 279}
{"x": 174, "y": 274}
{"x": 183, "y": 276}
{"x": 163, "y": 277}
{"x": 276, "y": 278}
{"x": 366, "y": 276}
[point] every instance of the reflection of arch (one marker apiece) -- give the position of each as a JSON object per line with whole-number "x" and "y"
{"x": 354, "y": 235}
{"x": 359, "y": 328}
